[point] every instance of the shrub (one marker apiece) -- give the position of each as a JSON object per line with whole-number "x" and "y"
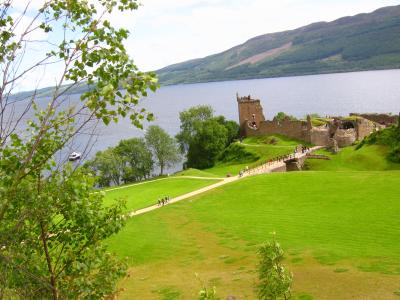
{"x": 394, "y": 155}
{"x": 281, "y": 116}
{"x": 389, "y": 137}
{"x": 274, "y": 280}
{"x": 237, "y": 153}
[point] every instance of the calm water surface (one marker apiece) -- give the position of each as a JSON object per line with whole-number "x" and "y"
{"x": 331, "y": 94}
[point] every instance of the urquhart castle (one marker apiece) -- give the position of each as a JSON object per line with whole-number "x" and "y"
{"x": 333, "y": 132}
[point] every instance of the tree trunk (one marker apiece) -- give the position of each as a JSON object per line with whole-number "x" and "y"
{"x": 161, "y": 168}
{"x": 53, "y": 284}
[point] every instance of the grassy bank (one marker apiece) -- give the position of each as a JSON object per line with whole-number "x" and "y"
{"x": 254, "y": 151}
{"x": 367, "y": 158}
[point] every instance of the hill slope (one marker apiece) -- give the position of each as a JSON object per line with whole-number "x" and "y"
{"x": 362, "y": 42}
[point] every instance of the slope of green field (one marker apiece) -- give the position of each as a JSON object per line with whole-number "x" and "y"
{"x": 365, "y": 159}
{"x": 147, "y": 193}
{"x": 323, "y": 219}
{"x": 195, "y": 173}
{"x": 261, "y": 149}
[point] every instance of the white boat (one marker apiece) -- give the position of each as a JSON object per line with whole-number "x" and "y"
{"x": 74, "y": 156}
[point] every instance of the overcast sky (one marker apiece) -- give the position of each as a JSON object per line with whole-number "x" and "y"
{"x": 165, "y": 32}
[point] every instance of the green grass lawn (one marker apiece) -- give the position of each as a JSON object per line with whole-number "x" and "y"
{"x": 345, "y": 214}
{"x": 147, "y": 193}
{"x": 340, "y": 229}
{"x": 335, "y": 218}
{"x": 367, "y": 158}
{"x": 195, "y": 172}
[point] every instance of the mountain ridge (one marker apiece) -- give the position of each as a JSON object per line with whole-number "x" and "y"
{"x": 366, "y": 41}
{"x": 316, "y": 48}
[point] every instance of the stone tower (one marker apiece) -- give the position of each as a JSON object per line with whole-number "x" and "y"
{"x": 250, "y": 110}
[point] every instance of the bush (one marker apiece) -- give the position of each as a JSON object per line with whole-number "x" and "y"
{"x": 389, "y": 137}
{"x": 281, "y": 116}
{"x": 394, "y": 155}
{"x": 274, "y": 281}
{"x": 237, "y": 153}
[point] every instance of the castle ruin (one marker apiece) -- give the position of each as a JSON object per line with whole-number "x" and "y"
{"x": 336, "y": 132}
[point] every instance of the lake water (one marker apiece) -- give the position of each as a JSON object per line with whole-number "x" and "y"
{"x": 330, "y": 94}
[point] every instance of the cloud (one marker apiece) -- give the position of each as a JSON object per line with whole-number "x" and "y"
{"x": 30, "y": 5}
{"x": 166, "y": 32}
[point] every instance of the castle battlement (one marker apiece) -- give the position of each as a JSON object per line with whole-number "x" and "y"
{"x": 246, "y": 99}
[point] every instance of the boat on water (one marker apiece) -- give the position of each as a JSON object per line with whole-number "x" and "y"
{"x": 74, "y": 156}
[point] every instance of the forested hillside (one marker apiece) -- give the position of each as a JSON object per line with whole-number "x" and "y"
{"x": 362, "y": 42}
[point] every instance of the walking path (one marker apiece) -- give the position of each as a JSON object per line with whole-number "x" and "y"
{"x": 265, "y": 168}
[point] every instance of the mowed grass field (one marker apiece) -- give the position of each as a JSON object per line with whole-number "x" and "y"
{"x": 340, "y": 231}
{"x": 147, "y": 193}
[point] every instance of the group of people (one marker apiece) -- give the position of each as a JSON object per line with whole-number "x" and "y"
{"x": 305, "y": 149}
{"x": 163, "y": 201}
{"x": 241, "y": 172}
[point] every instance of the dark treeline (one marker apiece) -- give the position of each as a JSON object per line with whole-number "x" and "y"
{"x": 204, "y": 137}
{"x": 202, "y": 140}
{"x": 135, "y": 159}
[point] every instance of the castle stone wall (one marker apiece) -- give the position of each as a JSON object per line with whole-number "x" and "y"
{"x": 295, "y": 164}
{"x": 336, "y": 133}
{"x": 319, "y": 136}
{"x": 384, "y": 119}
{"x": 279, "y": 169}
{"x": 247, "y": 108}
{"x": 345, "y": 137}
{"x": 364, "y": 128}
{"x": 293, "y": 129}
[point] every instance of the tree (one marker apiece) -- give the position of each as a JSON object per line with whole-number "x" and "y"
{"x": 281, "y": 116}
{"x": 137, "y": 159}
{"x": 129, "y": 161}
{"x": 207, "y": 144}
{"x": 163, "y": 146}
{"x": 190, "y": 120}
{"x": 52, "y": 224}
{"x": 203, "y": 137}
{"x": 232, "y": 127}
{"x": 274, "y": 280}
{"x": 108, "y": 167}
